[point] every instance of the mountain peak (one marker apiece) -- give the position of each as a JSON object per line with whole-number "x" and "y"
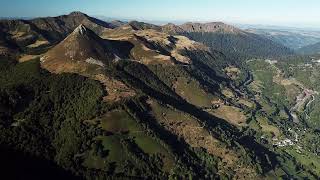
{"x": 77, "y": 13}
{"x": 78, "y": 50}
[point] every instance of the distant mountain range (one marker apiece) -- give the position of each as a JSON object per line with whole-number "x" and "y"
{"x": 29, "y": 35}
{"x": 292, "y": 38}
{"x": 233, "y": 42}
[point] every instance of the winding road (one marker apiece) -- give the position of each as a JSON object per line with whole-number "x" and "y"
{"x": 303, "y": 100}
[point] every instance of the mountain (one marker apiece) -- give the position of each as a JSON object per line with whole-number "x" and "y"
{"x": 233, "y": 42}
{"x": 291, "y": 38}
{"x": 63, "y": 25}
{"x": 36, "y": 35}
{"x": 81, "y": 46}
{"x": 310, "y": 49}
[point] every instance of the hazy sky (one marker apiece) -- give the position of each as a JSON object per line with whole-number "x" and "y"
{"x": 272, "y": 12}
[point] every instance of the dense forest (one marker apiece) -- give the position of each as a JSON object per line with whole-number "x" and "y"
{"x": 240, "y": 46}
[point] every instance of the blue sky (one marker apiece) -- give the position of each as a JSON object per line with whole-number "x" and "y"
{"x": 272, "y": 12}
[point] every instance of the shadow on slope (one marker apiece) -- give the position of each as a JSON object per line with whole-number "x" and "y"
{"x": 16, "y": 165}
{"x": 218, "y": 127}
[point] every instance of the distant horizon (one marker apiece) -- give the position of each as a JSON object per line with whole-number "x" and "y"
{"x": 179, "y": 22}
{"x": 289, "y": 13}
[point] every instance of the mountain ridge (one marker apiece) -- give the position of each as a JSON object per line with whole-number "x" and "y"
{"x": 312, "y": 49}
{"x": 226, "y": 38}
{"x": 233, "y": 42}
{"x": 39, "y": 33}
